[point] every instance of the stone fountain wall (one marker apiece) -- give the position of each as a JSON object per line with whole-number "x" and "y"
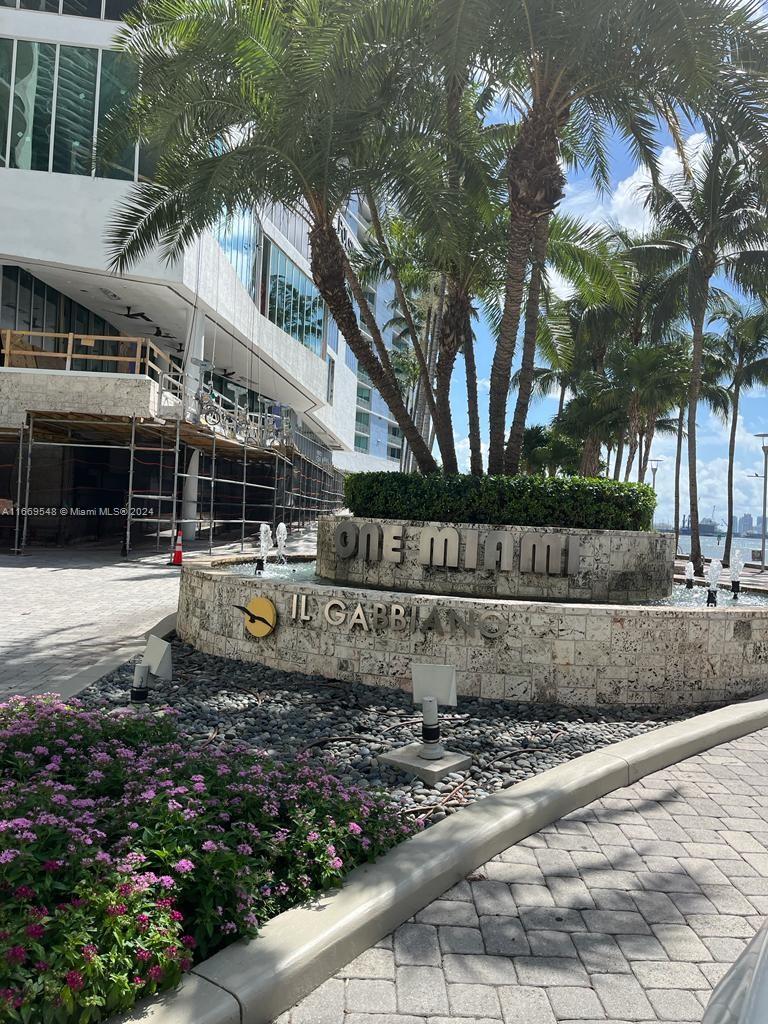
{"x": 488, "y": 561}
{"x": 518, "y": 650}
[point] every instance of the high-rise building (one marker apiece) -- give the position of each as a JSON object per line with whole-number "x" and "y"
{"x": 215, "y": 392}
{"x": 746, "y": 525}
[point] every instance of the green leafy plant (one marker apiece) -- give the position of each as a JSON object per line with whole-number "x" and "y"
{"x": 566, "y": 501}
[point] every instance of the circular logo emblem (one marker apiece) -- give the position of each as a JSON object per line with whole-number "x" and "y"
{"x": 260, "y": 616}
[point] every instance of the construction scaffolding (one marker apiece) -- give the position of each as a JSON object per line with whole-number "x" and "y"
{"x": 75, "y": 477}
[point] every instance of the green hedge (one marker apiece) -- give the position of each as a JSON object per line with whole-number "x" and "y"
{"x": 590, "y": 504}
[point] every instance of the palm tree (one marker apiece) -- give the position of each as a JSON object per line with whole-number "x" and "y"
{"x": 580, "y": 253}
{"x": 257, "y": 104}
{"x": 743, "y": 351}
{"x": 589, "y": 65}
{"x": 717, "y": 213}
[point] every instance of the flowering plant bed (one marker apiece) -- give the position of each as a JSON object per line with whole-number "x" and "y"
{"x": 126, "y": 855}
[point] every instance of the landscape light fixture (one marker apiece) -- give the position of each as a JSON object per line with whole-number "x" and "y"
{"x": 765, "y": 498}
{"x": 433, "y": 685}
{"x": 156, "y": 662}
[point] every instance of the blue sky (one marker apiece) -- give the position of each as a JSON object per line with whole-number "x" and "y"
{"x": 623, "y": 204}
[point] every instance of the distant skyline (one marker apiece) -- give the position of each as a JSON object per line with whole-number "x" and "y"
{"x": 623, "y": 205}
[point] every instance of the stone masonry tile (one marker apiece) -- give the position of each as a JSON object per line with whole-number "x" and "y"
{"x": 612, "y": 899}
{"x": 474, "y": 1001}
{"x": 622, "y": 997}
{"x": 725, "y": 950}
{"x": 674, "y": 1005}
{"x": 479, "y": 969}
{"x": 623, "y": 858}
{"x": 575, "y": 1003}
{"x": 743, "y": 842}
{"x": 517, "y": 855}
{"x": 657, "y": 907}
{"x": 721, "y": 925}
{"x": 549, "y": 970}
{"x": 610, "y": 879}
{"x": 373, "y": 963}
{"x": 370, "y": 996}
{"x": 493, "y": 898}
{"x": 460, "y": 940}
{"x": 384, "y": 1018}
{"x": 616, "y": 922}
{"x": 556, "y": 862}
{"x": 509, "y": 871}
{"x": 524, "y": 1005}
{"x": 532, "y": 895}
{"x": 667, "y": 881}
{"x": 641, "y": 947}
{"x": 461, "y": 891}
{"x": 421, "y": 990}
{"x": 727, "y": 900}
{"x": 448, "y": 912}
{"x": 544, "y": 943}
{"x": 681, "y": 943}
{"x": 667, "y": 974}
{"x": 417, "y": 945}
{"x": 504, "y": 936}
{"x": 323, "y": 1006}
{"x": 703, "y": 871}
{"x": 552, "y": 919}
{"x": 714, "y": 972}
{"x": 600, "y": 954}
{"x": 571, "y": 893}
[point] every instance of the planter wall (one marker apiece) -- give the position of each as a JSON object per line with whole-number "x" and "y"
{"x": 583, "y": 565}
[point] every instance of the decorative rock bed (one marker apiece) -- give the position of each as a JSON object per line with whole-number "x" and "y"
{"x": 220, "y": 700}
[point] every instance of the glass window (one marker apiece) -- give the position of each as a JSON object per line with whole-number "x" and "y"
{"x": 85, "y": 8}
{"x": 362, "y": 443}
{"x": 38, "y": 5}
{"x": 38, "y": 306}
{"x": 331, "y": 333}
{"x": 10, "y": 284}
{"x": 32, "y": 105}
{"x": 6, "y": 61}
{"x": 331, "y": 375}
{"x": 24, "y": 307}
{"x": 75, "y": 108}
{"x": 115, "y": 9}
{"x": 118, "y": 77}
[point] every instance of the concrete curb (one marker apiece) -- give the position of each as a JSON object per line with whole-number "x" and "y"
{"x": 72, "y": 686}
{"x": 298, "y": 950}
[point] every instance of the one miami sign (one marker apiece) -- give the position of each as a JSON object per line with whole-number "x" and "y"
{"x": 447, "y": 547}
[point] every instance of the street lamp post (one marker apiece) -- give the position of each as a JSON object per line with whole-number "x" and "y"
{"x": 654, "y": 464}
{"x": 765, "y": 499}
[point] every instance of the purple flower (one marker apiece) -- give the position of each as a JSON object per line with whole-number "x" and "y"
{"x": 75, "y": 980}
{"x": 354, "y": 828}
{"x": 184, "y": 866}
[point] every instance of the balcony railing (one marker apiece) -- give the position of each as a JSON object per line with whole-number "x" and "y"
{"x": 99, "y": 353}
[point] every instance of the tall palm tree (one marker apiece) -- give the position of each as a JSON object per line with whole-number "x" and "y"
{"x": 253, "y": 104}
{"x": 743, "y": 351}
{"x": 717, "y": 213}
{"x": 588, "y": 66}
{"x": 581, "y": 254}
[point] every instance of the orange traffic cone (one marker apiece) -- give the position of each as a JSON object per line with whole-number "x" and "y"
{"x": 177, "y": 550}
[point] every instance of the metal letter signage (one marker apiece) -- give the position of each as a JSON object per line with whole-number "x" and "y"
{"x": 499, "y": 551}
{"x": 541, "y": 553}
{"x": 439, "y": 547}
{"x": 345, "y": 539}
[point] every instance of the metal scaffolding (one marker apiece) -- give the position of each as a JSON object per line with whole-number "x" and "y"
{"x": 115, "y": 479}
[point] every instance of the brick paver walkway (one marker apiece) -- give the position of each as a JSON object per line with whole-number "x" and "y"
{"x": 630, "y": 909}
{"x": 64, "y": 610}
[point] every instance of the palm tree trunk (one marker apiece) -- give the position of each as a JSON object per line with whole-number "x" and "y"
{"x": 473, "y": 409}
{"x": 455, "y": 314}
{"x": 678, "y": 466}
{"x": 535, "y": 185}
{"x": 630, "y": 456}
{"x": 619, "y": 457}
{"x": 640, "y": 452}
{"x": 329, "y": 271}
{"x": 731, "y": 457}
{"x": 647, "y": 452}
{"x": 561, "y": 399}
{"x": 697, "y": 325}
{"x": 590, "y": 455}
{"x": 517, "y": 431}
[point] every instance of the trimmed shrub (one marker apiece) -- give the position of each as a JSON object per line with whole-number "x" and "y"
{"x": 565, "y": 501}
{"x": 126, "y": 855}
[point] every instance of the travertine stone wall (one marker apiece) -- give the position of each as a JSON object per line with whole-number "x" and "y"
{"x": 615, "y": 566}
{"x": 108, "y": 394}
{"x": 569, "y": 653}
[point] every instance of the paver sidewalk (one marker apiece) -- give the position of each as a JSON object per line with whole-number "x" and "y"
{"x": 65, "y": 609}
{"x": 630, "y": 909}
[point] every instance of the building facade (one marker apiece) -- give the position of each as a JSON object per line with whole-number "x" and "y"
{"x": 218, "y": 385}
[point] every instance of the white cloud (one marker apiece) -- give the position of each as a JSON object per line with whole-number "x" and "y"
{"x": 625, "y": 205}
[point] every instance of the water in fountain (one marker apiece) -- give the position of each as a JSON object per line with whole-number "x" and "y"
{"x": 281, "y": 536}
{"x": 265, "y": 543}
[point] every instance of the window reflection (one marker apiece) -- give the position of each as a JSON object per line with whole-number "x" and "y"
{"x": 75, "y": 108}
{"x": 32, "y": 105}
